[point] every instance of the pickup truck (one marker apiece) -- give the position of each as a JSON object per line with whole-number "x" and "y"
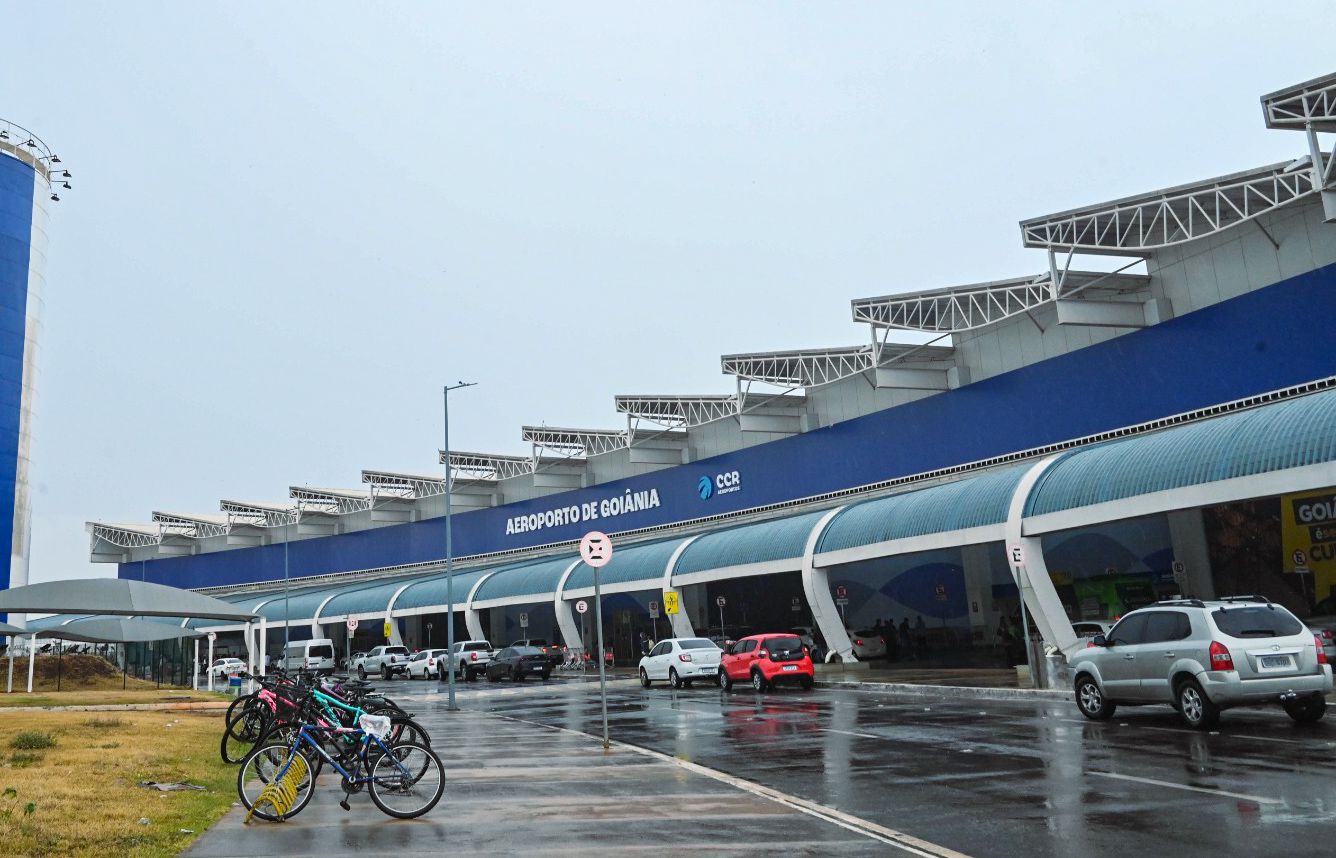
{"x": 470, "y": 657}
{"x": 385, "y": 660}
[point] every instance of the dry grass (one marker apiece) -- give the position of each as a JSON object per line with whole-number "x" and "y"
{"x": 83, "y": 792}
{"x": 107, "y": 697}
{"x": 88, "y": 672}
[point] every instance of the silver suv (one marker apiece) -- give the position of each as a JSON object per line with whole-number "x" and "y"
{"x": 1202, "y": 657}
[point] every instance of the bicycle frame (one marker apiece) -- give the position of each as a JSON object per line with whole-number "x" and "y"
{"x": 304, "y": 737}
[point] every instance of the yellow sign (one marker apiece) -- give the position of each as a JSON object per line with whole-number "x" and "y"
{"x": 281, "y": 794}
{"x": 670, "y": 602}
{"x": 387, "y": 630}
{"x": 1308, "y": 535}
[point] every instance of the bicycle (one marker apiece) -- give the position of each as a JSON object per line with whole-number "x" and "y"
{"x": 404, "y": 779}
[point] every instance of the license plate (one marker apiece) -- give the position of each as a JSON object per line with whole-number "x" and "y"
{"x": 790, "y": 667}
{"x": 537, "y": 667}
{"x": 1276, "y": 661}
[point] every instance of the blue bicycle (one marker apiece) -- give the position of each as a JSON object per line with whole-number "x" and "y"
{"x": 405, "y": 779}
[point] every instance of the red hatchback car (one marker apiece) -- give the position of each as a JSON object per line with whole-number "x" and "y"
{"x": 764, "y": 660}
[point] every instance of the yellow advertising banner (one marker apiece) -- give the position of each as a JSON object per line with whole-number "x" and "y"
{"x": 1308, "y": 535}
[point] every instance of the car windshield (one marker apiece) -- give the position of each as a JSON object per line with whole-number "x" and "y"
{"x": 697, "y": 643}
{"x": 785, "y": 644}
{"x": 1271, "y": 621}
{"x": 475, "y": 647}
{"x": 526, "y": 650}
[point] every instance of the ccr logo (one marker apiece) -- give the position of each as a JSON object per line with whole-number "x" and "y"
{"x": 722, "y": 484}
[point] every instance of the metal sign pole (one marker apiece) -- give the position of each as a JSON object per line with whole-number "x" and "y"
{"x": 602, "y": 672}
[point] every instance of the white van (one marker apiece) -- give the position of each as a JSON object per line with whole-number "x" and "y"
{"x": 315, "y": 655}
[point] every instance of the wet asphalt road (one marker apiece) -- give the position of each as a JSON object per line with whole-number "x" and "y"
{"x": 986, "y": 778}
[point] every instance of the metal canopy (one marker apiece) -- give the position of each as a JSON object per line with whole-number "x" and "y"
{"x": 406, "y": 486}
{"x": 331, "y": 501}
{"x": 1146, "y": 222}
{"x": 965, "y": 308}
{"x": 192, "y": 526}
{"x": 125, "y": 535}
{"x": 488, "y": 466}
{"x": 576, "y": 443}
{"x": 259, "y": 514}
{"x": 118, "y": 596}
{"x": 815, "y": 367}
{"x": 683, "y": 411}
{"x": 118, "y": 630}
{"x": 1297, "y": 107}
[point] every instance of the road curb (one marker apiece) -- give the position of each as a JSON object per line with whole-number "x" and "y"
{"x": 967, "y": 692}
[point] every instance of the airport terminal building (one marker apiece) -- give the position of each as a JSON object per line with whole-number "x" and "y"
{"x": 1082, "y": 440}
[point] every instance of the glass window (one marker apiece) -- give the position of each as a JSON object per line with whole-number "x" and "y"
{"x": 661, "y": 649}
{"x": 1167, "y": 626}
{"x": 697, "y": 643}
{"x": 1256, "y": 621}
{"x": 321, "y": 651}
{"x": 1130, "y": 630}
{"x": 783, "y": 645}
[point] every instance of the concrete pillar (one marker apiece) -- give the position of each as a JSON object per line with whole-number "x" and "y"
{"x": 1187, "y": 535}
{"x": 570, "y": 627}
{"x": 680, "y": 622}
{"x": 816, "y": 586}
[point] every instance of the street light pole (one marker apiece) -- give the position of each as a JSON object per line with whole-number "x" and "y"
{"x": 449, "y": 548}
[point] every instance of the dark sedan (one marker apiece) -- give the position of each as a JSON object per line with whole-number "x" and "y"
{"x": 519, "y": 662}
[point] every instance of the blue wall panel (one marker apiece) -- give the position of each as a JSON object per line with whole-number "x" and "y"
{"x": 16, "y": 190}
{"x": 1251, "y": 344}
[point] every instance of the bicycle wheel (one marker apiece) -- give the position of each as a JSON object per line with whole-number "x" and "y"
{"x": 243, "y": 731}
{"x": 399, "y": 792}
{"x": 237, "y": 704}
{"x": 258, "y": 772}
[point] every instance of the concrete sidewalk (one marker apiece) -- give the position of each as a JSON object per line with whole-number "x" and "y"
{"x": 515, "y": 788}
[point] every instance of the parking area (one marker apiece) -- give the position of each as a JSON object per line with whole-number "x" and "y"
{"x": 856, "y": 770}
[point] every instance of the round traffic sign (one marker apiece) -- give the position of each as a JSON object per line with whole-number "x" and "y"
{"x": 721, "y": 601}
{"x": 352, "y": 624}
{"x": 1300, "y": 558}
{"x": 524, "y": 620}
{"x": 596, "y": 548}
{"x": 581, "y": 606}
{"x": 213, "y": 636}
{"x": 841, "y": 592}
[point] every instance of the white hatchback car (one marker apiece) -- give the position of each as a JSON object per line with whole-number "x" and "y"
{"x": 867, "y": 643}
{"x": 679, "y": 661}
{"x": 423, "y": 664}
{"x": 224, "y": 667}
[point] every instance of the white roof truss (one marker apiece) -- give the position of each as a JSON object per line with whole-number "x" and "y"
{"x": 488, "y": 466}
{"x": 576, "y": 443}
{"x": 125, "y": 535}
{"x": 815, "y": 367}
{"x": 259, "y": 514}
{"x": 192, "y": 526}
{"x": 406, "y": 486}
{"x": 1140, "y": 224}
{"x": 331, "y": 501}
{"x": 1309, "y": 107}
{"x": 965, "y": 308}
{"x": 678, "y": 411}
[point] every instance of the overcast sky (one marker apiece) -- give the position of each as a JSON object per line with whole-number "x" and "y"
{"x": 291, "y": 223}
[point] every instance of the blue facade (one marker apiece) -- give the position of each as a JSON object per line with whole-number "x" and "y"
{"x": 17, "y": 185}
{"x": 1254, "y": 343}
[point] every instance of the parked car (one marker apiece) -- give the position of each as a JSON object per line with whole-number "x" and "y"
{"x": 1323, "y": 624}
{"x": 224, "y": 667}
{"x": 1086, "y": 630}
{"x": 469, "y": 657}
{"x": 385, "y": 660}
{"x": 680, "y": 661}
{"x": 552, "y": 651}
{"x": 867, "y": 643}
{"x": 722, "y": 636}
{"x": 1204, "y": 657}
{"x": 422, "y": 664}
{"x": 765, "y": 660}
{"x": 316, "y": 656}
{"x": 518, "y": 662}
{"x": 351, "y": 661}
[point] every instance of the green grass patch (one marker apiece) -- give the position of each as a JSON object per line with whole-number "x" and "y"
{"x": 32, "y": 740}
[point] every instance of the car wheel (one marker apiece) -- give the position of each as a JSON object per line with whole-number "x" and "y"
{"x": 361, "y": 673}
{"x": 491, "y": 677}
{"x": 1306, "y": 710}
{"x": 1196, "y": 708}
{"x": 644, "y": 678}
{"x": 384, "y": 674}
{"x": 546, "y": 677}
{"x": 1091, "y": 701}
{"x": 516, "y": 675}
{"x": 673, "y": 679}
{"x": 724, "y": 681}
{"x": 758, "y": 681}
{"x": 687, "y": 682}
